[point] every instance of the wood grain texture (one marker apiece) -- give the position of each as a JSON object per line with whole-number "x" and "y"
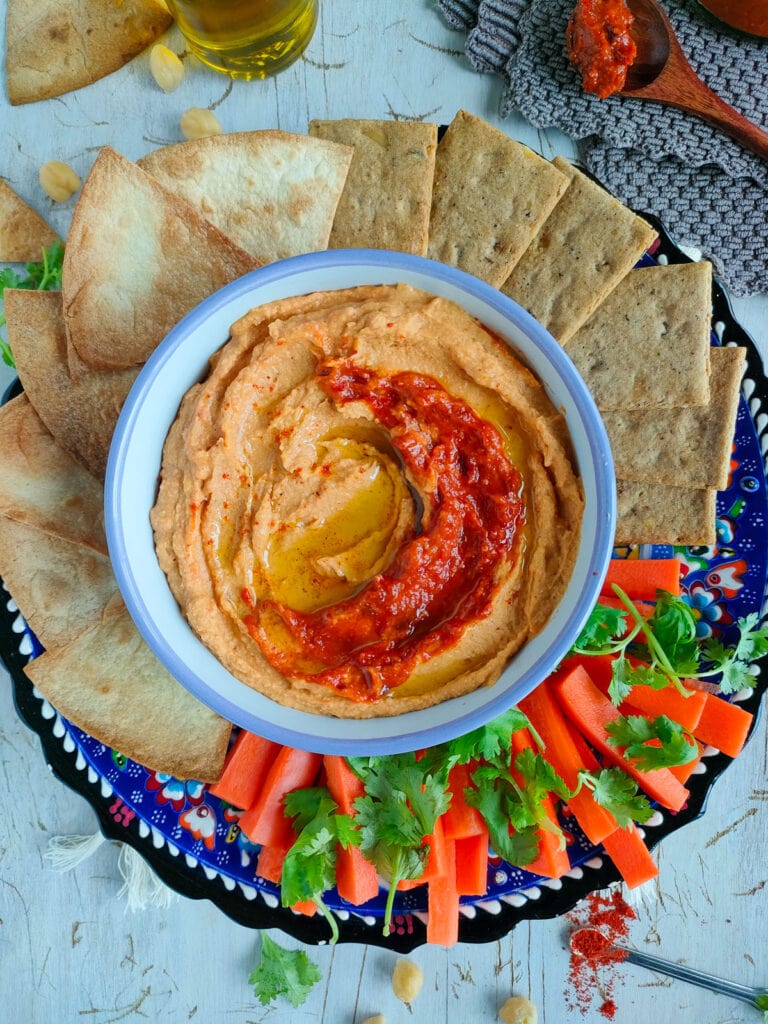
{"x": 68, "y": 951}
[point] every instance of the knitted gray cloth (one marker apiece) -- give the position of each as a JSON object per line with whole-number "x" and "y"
{"x": 710, "y": 191}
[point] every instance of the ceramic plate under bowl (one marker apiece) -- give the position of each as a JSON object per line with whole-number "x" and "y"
{"x": 134, "y": 465}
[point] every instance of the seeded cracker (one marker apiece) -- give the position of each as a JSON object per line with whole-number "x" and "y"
{"x": 490, "y": 197}
{"x": 386, "y": 200}
{"x": 272, "y": 193}
{"x": 668, "y": 515}
{"x": 81, "y": 414}
{"x": 23, "y": 233}
{"x": 109, "y": 682}
{"x": 54, "y": 47}
{"x": 688, "y": 447}
{"x": 647, "y": 345}
{"x": 137, "y": 260}
{"x": 586, "y": 246}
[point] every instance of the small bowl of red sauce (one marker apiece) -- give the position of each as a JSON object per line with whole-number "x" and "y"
{"x": 749, "y": 16}
{"x": 373, "y": 626}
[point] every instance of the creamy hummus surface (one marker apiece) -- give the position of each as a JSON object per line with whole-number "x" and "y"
{"x": 369, "y": 505}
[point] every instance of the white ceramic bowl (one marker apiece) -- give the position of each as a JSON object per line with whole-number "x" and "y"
{"x": 134, "y": 465}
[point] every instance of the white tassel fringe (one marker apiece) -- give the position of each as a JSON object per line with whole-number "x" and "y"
{"x": 64, "y": 853}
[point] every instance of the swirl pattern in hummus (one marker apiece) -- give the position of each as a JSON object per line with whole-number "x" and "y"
{"x": 369, "y": 505}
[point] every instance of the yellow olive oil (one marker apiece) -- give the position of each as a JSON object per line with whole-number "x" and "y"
{"x": 246, "y": 38}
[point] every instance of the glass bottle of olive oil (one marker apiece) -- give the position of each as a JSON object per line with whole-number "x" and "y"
{"x": 246, "y": 38}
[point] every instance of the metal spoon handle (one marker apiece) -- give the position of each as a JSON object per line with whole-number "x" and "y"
{"x": 683, "y": 973}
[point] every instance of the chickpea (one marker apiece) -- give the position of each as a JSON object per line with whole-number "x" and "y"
{"x": 167, "y": 70}
{"x": 59, "y": 181}
{"x": 377, "y": 1018}
{"x": 197, "y": 123}
{"x": 407, "y": 979}
{"x": 518, "y": 1010}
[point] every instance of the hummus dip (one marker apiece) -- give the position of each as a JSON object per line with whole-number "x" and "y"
{"x": 369, "y": 505}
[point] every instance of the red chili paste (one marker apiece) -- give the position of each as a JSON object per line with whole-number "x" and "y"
{"x": 747, "y": 15}
{"x": 443, "y": 576}
{"x": 599, "y": 44}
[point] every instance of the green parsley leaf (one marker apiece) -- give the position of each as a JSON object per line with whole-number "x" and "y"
{"x": 636, "y": 732}
{"x": 282, "y": 972}
{"x": 618, "y": 793}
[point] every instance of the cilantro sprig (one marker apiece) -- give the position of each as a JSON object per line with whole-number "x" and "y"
{"x": 42, "y": 276}
{"x": 762, "y": 1004}
{"x": 666, "y": 647}
{"x": 309, "y": 868}
{"x": 652, "y": 742}
{"x": 282, "y": 972}
{"x": 614, "y": 790}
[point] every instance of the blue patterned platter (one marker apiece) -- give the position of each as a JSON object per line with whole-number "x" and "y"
{"x": 192, "y": 839}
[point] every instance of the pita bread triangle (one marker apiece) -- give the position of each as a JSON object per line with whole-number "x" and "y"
{"x": 53, "y": 47}
{"x": 81, "y": 414}
{"x": 109, "y": 683}
{"x": 273, "y": 193}
{"x": 137, "y": 260}
{"x": 23, "y": 233}
{"x": 40, "y": 484}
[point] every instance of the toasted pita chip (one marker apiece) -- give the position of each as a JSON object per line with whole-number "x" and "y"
{"x": 491, "y": 195}
{"x": 386, "y": 200}
{"x": 61, "y": 588}
{"x": 137, "y": 259}
{"x": 23, "y": 233}
{"x": 109, "y": 683}
{"x": 272, "y": 193}
{"x": 584, "y": 248}
{"x": 656, "y": 514}
{"x": 42, "y": 486}
{"x": 647, "y": 345}
{"x": 689, "y": 447}
{"x": 80, "y": 414}
{"x": 54, "y": 47}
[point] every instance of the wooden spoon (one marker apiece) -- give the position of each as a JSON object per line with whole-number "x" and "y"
{"x": 662, "y": 73}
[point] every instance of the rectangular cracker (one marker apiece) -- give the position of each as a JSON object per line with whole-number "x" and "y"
{"x": 655, "y": 514}
{"x": 388, "y": 193}
{"x": 647, "y": 344}
{"x": 584, "y": 248}
{"x": 490, "y": 197}
{"x": 688, "y": 447}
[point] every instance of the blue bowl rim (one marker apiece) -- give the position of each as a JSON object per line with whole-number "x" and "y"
{"x": 600, "y": 454}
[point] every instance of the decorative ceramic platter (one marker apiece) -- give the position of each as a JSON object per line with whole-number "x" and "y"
{"x": 192, "y": 839}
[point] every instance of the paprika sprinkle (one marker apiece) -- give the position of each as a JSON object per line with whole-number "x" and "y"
{"x": 599, "y": 922}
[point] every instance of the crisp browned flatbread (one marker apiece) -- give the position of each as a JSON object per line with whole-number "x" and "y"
{"x": 386, "y": 200}
{"x": 42, "y": 486}
{"x": 647, "y": 344}
{"x": 81, "y": 414}
{"x": 272, "y": 193}
{"x": 23, "y": 232}
{"x": 585, "y": 247}
{"x": 688, "y": 447}
{"x": 656, "y": 514}
{"x": 108, "y": 682}
{"x": 61, "y": 588}
{"x": 53, "y": 47}
{"x": 137, "y": 259}
{"x": 491, "y": 195}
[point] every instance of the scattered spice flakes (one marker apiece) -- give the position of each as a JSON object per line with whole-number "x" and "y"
{"x": 594, "y": 974}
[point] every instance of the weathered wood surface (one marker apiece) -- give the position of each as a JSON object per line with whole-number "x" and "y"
{"x": 69, "y": 951}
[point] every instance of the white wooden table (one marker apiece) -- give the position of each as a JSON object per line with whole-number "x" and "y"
{"x": 69, "y": 951}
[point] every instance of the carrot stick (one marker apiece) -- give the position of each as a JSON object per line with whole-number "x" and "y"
{"x": 552, "y": 861}
{"x": 629, "y": 853}
{"x": 305, "y": 907}
{"x": 443, "y": 903}
{"x": 356, "y": 878}
{"x": 437, "y": 859}
{"x": 723, "y": 725}
{"x": 591, "y": 711}
{"x": 640, "y": 578}
{"x": 562, "y": 753}
{"x": 265, "y": 821}
{"x": 269, "y": 863}
{"x": 245, "y": 770}
{"x": 461, "y": 820}
{"x": 472, "y": 865}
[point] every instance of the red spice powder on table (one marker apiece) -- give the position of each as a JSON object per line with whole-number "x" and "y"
{"x": 593, "y": 974}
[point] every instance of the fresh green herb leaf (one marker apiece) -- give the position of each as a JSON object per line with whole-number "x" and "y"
{"x": 620, "y": 685}
{"x": 309, "y": 869}
{"x": 283, "y": 972}
{"x": 618, "y": 793}
{"x": 490, "y": 741}
{"x": 673, "y": 744}
{"x": 603, "y": 629}
{"x": 762, "y": 1004}
{"x": 519, "y": 846}
{"x": 673, "y": 627}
